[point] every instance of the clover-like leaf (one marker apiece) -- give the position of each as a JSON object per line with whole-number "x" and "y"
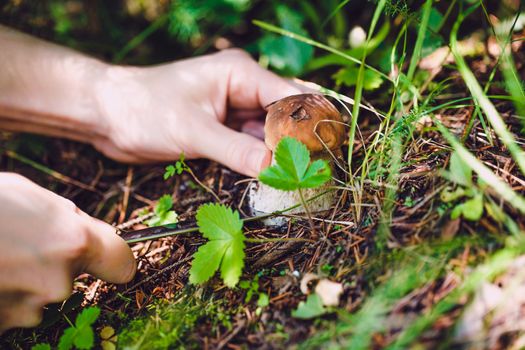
{"x": 293, "y": 169}
{"x": 225, "y": 248}
{"x": 81, "y": 335}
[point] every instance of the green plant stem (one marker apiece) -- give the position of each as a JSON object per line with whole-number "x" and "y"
{"x": 307, "y": 210}
{"x": 174, "y": 232}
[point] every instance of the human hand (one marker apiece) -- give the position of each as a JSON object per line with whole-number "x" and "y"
{"x": 45, "y": 241}
{"x": 156, "y": 113}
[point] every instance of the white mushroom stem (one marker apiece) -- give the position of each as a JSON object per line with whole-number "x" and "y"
{"x": 264, "y": 199}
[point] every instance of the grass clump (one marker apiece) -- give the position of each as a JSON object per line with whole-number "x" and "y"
{"x": 173, "y": 324}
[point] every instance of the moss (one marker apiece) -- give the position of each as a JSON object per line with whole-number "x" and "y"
{"x": 172, "y": 324}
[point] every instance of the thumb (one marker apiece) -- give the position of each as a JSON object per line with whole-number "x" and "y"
{"x": 109, "y": 257}
{"x": 240, "y": 152}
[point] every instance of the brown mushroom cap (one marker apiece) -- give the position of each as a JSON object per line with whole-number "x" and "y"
{"x": 302, "y": 117}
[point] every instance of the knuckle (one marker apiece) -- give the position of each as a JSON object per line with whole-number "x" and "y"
{"x": 237, "y": 152}
{"x": 79, "y": 245}
{"x": 60, "y": 291}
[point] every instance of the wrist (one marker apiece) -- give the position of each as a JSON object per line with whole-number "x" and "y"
{"x": 46, "y": 88}
{"x": 118, "y": 93}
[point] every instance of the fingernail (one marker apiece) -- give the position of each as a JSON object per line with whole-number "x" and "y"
{"x": 260, "y": 158}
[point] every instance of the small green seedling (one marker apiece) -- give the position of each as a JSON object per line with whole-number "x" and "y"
{"x": 252, "y": 288}
{"x": 293, "y": 170}
{"x": 311, "y": 308}
{"x": 179, "y": 167}
{"x": 225, "y": 248}
{"x": 163, "y": 215}
{"x": 80, "y": 335}
{"x": 459, "y": 172}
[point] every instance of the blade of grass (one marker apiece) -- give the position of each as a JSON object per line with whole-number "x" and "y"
{"x": 427, "y": 7}
{"x": 499, "y": 186}
{"x": 486, "y": 105}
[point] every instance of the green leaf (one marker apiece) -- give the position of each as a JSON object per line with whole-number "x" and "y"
{"x": 164, "y": 204}
{"x": 264, "y": 300}
{"x": 225, "y": 249}
{"x": 170, "y": 171}
{"x": 206, "y": 261}
{"x": 473, "y": 208}
{"x": 287, "y": 55}
{"x": 275, "y": 177}
{"x": 41, "y": 346}
{"x": 348, "y": 76}
{"x": 67, "y": 338}
{"x": 84, "y": 338}
{"x": 87, "y": 317}
{"x": 293, "y": 157}
{"x": 449, "y": 196}
{"x": 81, "y": 335}
{"x": 233, "y": 262}
{"x": 456, "y": 212}
{"x": 313, "y": 307}
{"x": 293, "y": 170}
{"x": 460, "y": 172}
{"x": 317, "y": 174}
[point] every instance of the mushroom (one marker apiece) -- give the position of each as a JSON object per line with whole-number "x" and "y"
{"x": 313, "y": 120}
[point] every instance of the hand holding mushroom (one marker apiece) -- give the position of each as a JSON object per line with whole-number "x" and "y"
{"x": 316, "y": 123}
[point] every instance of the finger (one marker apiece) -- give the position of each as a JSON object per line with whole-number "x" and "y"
{"x": 110, "y": 150}
{"x": 246, "y": 114}
{"x": 254, "y": 128}
{"x": 240, "y": 152}
{"x": 251, "y": 86}
{"x": 22, "y": 314}
{"x": 108, "y": 257}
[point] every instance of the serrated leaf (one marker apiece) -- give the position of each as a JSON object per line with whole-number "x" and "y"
{"x": 292, "y": 169}
{"x": 225, "y": 249}
{"x": 460, "y": 172}
{"x": 206, "y": 261}
{"x": 217, "y": 221}
{"x": 293, "y": 157}
{"x": 233, "y": 263}
{"x": 66, "y": 339}
{"x": 41, "y": 346}
{"x": 275, "y": 177}
{"x": 84, "y": 338}
{"x": 87, "y": 317}
{"x": 313, "y": 307}
{"x": 169, "y": 172}
{"x": 317, "y": 174}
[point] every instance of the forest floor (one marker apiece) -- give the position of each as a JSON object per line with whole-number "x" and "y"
{"x": 413, "y": 288}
